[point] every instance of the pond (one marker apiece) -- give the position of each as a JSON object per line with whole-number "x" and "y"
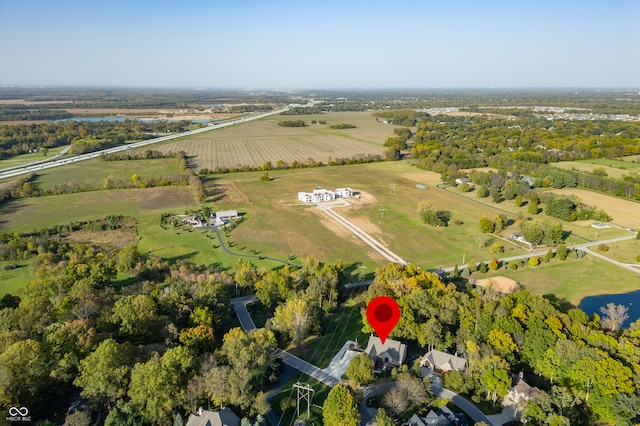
{"x": 592, "y": 304}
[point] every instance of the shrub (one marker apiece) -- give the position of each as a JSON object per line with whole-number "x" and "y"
{"x": 562, "y": 252}
{"x": 457, "y": 222}
{"x": 638, "y": 258}
{"x": 487, "y": 225}
{"x": 603, "y": 247}
{"x": 494, "y": 264}
{"x": 533, "y": 208}
{"x": 483, "y": 268}
{"x": 534, "y": 261}
{"x": 518, "y": 200}
{"x": 513, "y": 266}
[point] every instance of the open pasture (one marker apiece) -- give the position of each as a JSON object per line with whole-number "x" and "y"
{"x": 281, "y": 224}
{"x": 613, "y": 168}
{"x": 573, "y": 279}
{"x": 97, "y": 172}
{"x": 255, "y": 143}
{"x": 19, "y": 160}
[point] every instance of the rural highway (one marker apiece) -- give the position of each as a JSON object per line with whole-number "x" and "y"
{"x": 39, "y": 165}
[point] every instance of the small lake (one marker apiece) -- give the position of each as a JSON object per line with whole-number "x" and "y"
{"x": 592, "y": 304}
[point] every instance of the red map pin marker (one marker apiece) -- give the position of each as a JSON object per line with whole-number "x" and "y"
{"x": 383, "y": 313}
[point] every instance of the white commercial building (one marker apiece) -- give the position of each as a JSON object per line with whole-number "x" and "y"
{"x": 320, "y": 195}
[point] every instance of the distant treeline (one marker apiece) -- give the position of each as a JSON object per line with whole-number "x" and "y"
{"x": 291, "y": 123}
{"x": 29, "y": 113}
{"x": 403, "y": 117}
{"x": 83, "y": 136}
{"x": 529, "y": 146}
{"x": 281, "y": 165}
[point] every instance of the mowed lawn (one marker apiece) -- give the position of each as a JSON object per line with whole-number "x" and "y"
{"x": 255, "y": 143}
{"x": 573, "y": 279}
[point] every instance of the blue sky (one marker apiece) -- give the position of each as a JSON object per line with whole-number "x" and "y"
{"x": 321, "y": 44}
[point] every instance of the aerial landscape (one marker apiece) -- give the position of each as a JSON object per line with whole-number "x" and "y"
{"x": 338, "y": 214}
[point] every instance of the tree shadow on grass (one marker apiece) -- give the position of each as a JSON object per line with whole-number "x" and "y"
{"x": 563, "y": 304}
{"x": 176, "y": 259}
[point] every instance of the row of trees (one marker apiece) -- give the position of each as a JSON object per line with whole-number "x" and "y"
{"x": 295, "y": 164}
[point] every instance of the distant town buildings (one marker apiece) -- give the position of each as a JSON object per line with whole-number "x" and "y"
{"x": 320, "y": 195}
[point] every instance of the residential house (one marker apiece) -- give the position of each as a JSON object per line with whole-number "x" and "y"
{"x": 520, "y": 390}
{"x": 529, "y": 179}
{"x": 392, "y": 352}
{"x": 224, "y": 417}
{"x": 443, "y": 361}
{"x": 224, "y": 217}
{"x": 460, "y": 181}
{"x": 443, "y": 416}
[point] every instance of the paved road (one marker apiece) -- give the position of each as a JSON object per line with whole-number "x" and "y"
{"x": 240, "y": 306}
{"x": 327, "y": 208}
{"x": 582, "y": 246}
{"x": 465, "y": 405}
{"x": 31, "y": 167}
{"x": 252, "y": 256}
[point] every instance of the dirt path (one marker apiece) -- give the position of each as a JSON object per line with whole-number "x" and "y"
{"x": 358, "y": 232}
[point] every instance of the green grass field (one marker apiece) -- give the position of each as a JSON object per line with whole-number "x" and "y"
{"x": 11, "y": 281}
{"x": 623, "y": 251}
{"x": 614, "y": 168}
{"x": 573, "y": 279}
{"x": 95, "y": 172}
{"x": 19, "y": 160}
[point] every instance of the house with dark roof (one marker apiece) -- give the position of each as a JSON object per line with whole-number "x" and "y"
{"x": 392, "y": 352}
{"x": 224, "y": 417}
{"x": 443, "y": 361}
{"x": 443, "y": 416}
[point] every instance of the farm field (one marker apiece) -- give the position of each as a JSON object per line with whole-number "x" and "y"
{"x": 614, "y": 168}
{"x": 623, "y": 212}
{"x": 97, "y": 172}
{"x": 257, "y": 142}
{"x": 573, "y": 279}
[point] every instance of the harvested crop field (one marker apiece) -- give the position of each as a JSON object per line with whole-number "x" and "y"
{"x": 623, "y": 212}
{"x": 253, "y": 144}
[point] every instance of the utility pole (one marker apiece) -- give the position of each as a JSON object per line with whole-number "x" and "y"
{"x": 304, "y": 392}
{"x": 382, "y": 214}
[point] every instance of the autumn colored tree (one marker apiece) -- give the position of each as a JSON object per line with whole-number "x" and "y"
{"x": 340, "y": 407}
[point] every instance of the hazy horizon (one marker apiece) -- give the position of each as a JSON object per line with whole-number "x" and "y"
{"x": 408, "y": 45}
